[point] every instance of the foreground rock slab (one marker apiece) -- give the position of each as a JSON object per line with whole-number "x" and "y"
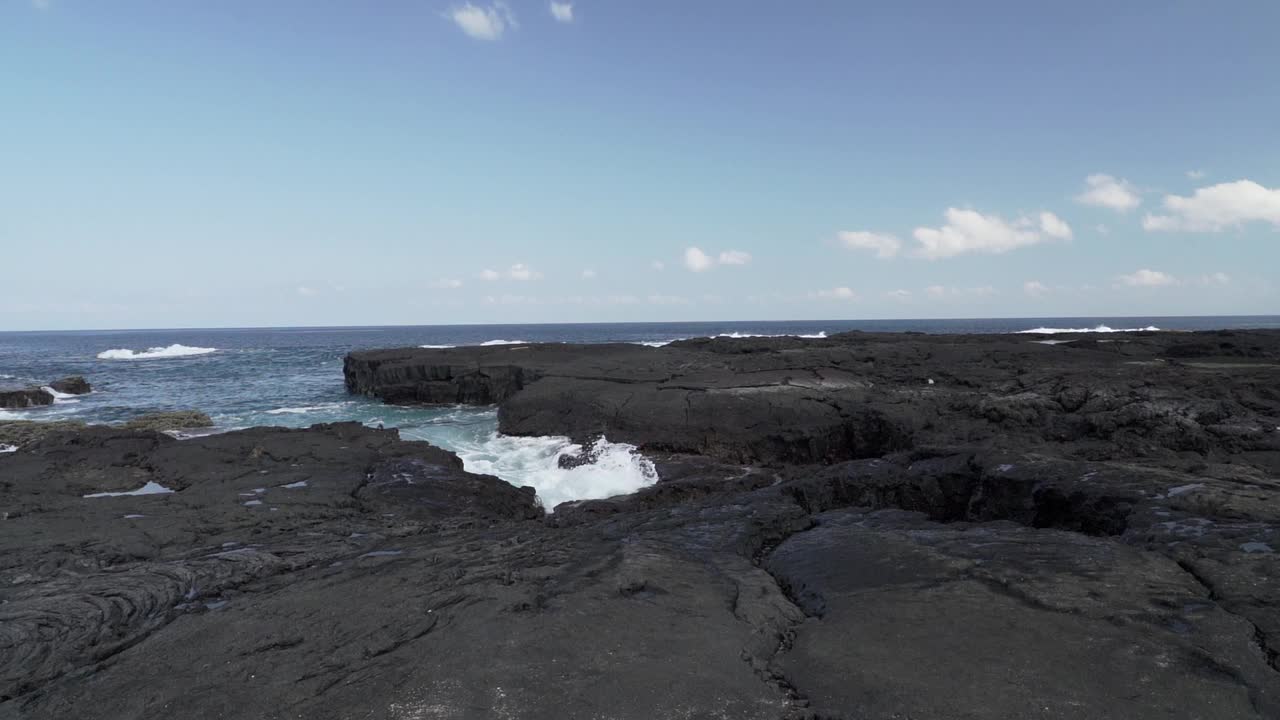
{"x": 339, "y": 572}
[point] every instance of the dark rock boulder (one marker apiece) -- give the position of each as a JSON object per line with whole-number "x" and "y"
{"x": 74, "y": 385}
{"x": 25, "y": 398}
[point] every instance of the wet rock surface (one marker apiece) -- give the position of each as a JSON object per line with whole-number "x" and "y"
{"x": 1057, "y": 539}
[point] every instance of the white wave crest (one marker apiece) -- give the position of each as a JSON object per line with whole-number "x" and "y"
{"x": 308, "y": 409}
{"x": 1098, "y": 329}
{"x": 151, "y": 488}
{"x": 654, "y": 343}
{"x": 489, "y": 343}
{"x": 535, "y": 462}
{"x": 60, "y": 397}
{"x": 8, "y": 448}
{"x": 7, "y": 415}
{"x": 813, "y": 336}
{"x": 170, "y": 351}
{"x": 436, "y": 347}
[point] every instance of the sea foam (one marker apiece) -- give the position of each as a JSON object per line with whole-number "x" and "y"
{"x": 8, "y": 448}
{"x": 171, "y": 351}
{"x": 535, "y": 461}
{"x": 813, "y": 336}
{"x": 1098, "y": 329}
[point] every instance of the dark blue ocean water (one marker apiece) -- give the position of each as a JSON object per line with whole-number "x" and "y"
{"x": 293, "y": 377}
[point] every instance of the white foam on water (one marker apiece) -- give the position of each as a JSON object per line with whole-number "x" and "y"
{"x": 171, "y": 351}
{"x": 151, "y": 488}
{"x": 6, "y": 415}
{"x": 535, "y": 462}
{"x": 1052, "y": 342}
{"x": 654, "y": 343}
{"x": 1098, "y": 329}
{"x": 436, "y": 347}
{"x": 60, "y": 397}
{"x": 295, "y": 485}
{"x": 308, "y": 409}
{"x": 489, "y": 343}
{"x": 813, "y": 336}
{"x": 8, "y": 448}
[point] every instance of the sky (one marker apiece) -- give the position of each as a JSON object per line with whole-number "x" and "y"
{"x": 293, "y": 162}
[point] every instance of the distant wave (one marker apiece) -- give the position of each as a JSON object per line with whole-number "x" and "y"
{"x": 814, "y": 336}
{"x": 436, "y": 347}
{"x": 654, "y": 343}
{"x": 171, "y": 351}
{"x": 503, "y": 342}
{"x": 1099, "y": 329}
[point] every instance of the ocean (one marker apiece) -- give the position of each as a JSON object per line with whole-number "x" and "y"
{"x": 292, "y": 377}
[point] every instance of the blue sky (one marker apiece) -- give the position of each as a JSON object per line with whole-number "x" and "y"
{"x": 409, "y": 161}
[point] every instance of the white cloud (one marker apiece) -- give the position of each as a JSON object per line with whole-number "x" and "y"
{"x": 696, "y": 260}
{"x": 562, "y": 12}
{"x": 1217, "y": 208}
{"x": 884, "y": 246}
{"x": 1103, "y": 230}
{"x": 1034, "y": 288}
{"x": 840, "y": 293}
{"x": 1109, "y": 192}
{"x": 449, "y": 283}
{"x": 306, "y": 291}
{"x": 969, "y": 231}
{"x": 1054, "y": 226}
{"x": 520, "y": 271}
{"x": 588, "y": 274}
{"x": 1195, "y": 174}
{"x": 1218, "y": 278}
{"x": 483, "y": 23}
{"x": 658, "y": 265}
{"x": 1147, "y": 278}
{"x": 901, "y": 295}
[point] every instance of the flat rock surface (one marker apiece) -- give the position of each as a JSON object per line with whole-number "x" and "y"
{"x": 1034, "y": 537}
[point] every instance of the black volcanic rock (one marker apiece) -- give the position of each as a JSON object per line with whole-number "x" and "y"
{"x": 862, "y": 395}
{"x": 74, "y": 385}
{"x": 340, "y": 572}
{"x": 21, "y": 399}
{"x": 1056, "y": 532}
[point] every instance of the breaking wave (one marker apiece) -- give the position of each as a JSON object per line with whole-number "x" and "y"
{"x": 488, "y": 343}
{"x": 813, "y": 336}
{"x": 535, "y": 462}
{"x": 1098, "y": 329}
{"x": 171, "y": 351}
{"x": 60, "y": 397}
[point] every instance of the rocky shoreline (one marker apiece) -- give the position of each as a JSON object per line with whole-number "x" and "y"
{"x": 861, "y": 526}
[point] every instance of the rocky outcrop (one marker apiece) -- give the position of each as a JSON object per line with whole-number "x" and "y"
{"x": 785, "y": 401}
{"x": 340, "y": 572}
{"x": 74, "y": 385}
{"x": 1041, "y": 531}
{"x": 21, "y": 399}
